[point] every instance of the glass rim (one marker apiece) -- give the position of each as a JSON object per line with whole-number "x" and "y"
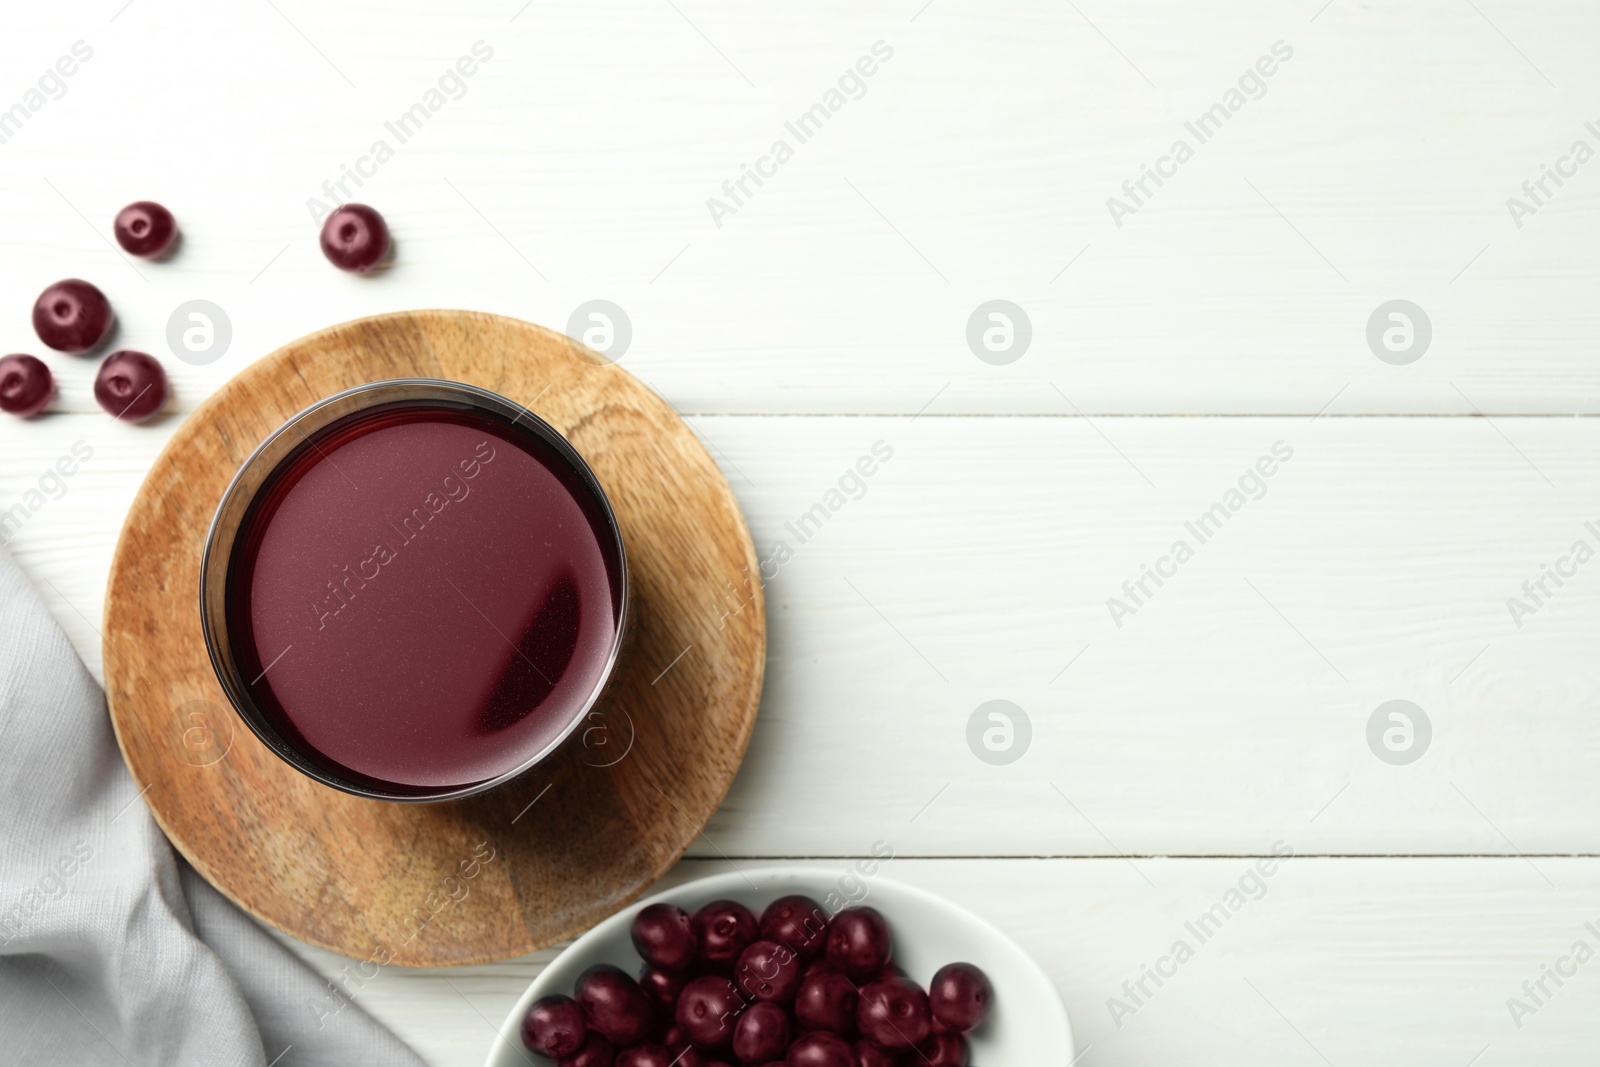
{"x": 264, "y": 461}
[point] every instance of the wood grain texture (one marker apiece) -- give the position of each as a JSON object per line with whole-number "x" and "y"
{"x": 1204, "y": 725}
{"x": 577, "y": 165}
{"x": 988, "y": 144}
{"x": 539, "y": 859}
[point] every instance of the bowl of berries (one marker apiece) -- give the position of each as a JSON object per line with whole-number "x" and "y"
{"x": 789, "y": 967}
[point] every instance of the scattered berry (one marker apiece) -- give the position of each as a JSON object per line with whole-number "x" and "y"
{"x": 131, "y": 386}
{"x": 145, "y": 228}
{"x": 72, "y": 316}
{"x": 355, "y": 238}
{"x": 26, "y": 386}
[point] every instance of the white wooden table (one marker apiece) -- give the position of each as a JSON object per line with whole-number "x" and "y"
{"x": 1226, "y": 715}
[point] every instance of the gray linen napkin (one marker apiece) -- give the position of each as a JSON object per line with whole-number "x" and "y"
{"x": 111, "y": 949}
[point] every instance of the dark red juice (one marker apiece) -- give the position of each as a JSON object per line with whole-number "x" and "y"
{"x": 424, "y": 596}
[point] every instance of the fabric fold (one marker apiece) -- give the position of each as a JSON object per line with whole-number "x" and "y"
{"x": 112, "y": 950}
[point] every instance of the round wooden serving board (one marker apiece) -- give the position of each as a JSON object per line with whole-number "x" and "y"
{"x": 538, "y": 860}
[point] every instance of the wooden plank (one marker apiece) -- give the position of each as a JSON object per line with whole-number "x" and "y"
{"x": 1329, "y": 961}
{"x": 977, "y": 564}
{"x": 976, "y": 165}
{"x": 1378, "y": 166}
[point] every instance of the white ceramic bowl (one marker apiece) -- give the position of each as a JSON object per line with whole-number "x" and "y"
{"x": 1028, "y": 1025}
